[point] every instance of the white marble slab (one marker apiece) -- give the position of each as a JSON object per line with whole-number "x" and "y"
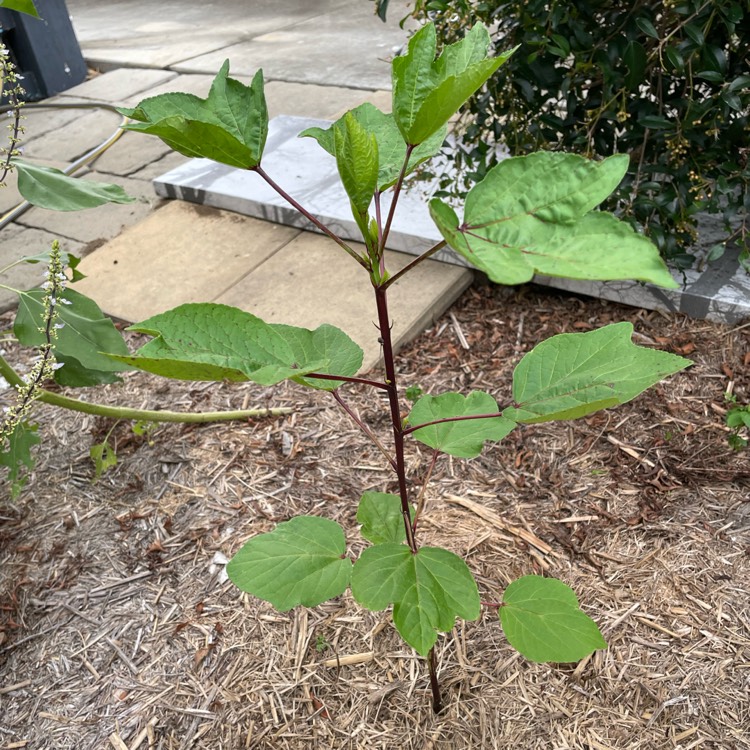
{"x": 720, "y": 292}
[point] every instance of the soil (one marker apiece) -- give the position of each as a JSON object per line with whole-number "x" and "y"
{"x": 118, "y": 628}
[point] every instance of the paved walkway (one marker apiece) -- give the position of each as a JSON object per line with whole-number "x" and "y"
{"x": 320, "y": 58}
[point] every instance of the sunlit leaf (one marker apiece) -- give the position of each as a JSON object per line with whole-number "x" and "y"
{"x": 302, "y": 561}
{"x": 428, "y": 92}
{"x": 531, "y": 214}
{"x": 542, "y": 620}
{"x": 216, "y": 342}
{"x": 22, "y": 6}
{"x": 573, "y": 374}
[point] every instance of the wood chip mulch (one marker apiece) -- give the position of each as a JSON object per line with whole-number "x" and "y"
{"x": 119, "y": 630}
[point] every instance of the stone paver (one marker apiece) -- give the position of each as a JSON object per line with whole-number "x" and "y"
{"x": 119, "y": 85}
{"x": 180, "y": 253}
{"x": 96, "y": 225}
{"x": 353, "y": 51}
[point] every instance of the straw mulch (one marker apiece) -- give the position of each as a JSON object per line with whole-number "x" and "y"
{"x": 119, "y": 630}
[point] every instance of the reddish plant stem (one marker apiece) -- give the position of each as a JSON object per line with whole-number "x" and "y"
{"x": 362, "y": 426}
{"x": 384, "y": 324}
{"x": 465, "y": 418}
{"x": 345, "y": 379}
{"x": 394, "y": 201}
{"x": 437, "y": 701}
{"x": 323, "y": 228}
{"x": 408, "y": 267}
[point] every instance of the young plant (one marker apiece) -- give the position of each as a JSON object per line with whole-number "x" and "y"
{"x": 738, "y": 422}
{"x": 530, "y": 214}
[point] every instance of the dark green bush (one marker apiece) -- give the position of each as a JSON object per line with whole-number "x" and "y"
{"x": 666, "y": 82}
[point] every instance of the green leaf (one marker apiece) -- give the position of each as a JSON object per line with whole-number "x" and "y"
{"x": 229, "y": 126}
{"x": 428, "y": 590}
{"x": 381, "y": 517}
{"x": 574, "y": 374}
{"x": 391, "y": 145}
{"x": 357, "y": 161}
{"x": 86, "y": 332}
{"x": 50, "y": 188}
{"x": 104, "y": 457}
{"x": 67, "y": 259}
{"x": 533, "y": 214}
{"x": 647, "y": 27}
{"x": 460, "y": 438}
{"x": 542, "y": 620}
{"x": 302, "y": 561}
{"x": 217, "y": 342}
{"x": 636, "y": 59}
{"x": 427, "y": 92}
{"x": 17, "y": 454}
{"x": 22, "y": 6}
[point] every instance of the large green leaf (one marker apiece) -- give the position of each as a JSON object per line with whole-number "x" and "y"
{"x": 229, "y": 126}
{"x": 574, "y": 374}
{"x": 542, "y": 620}
{"x": 86, "y": 332}
{"x": 464, "y": 438}
{"x": 23, "y": 6}
{"x": 302, "y": 561}
{"x": 427, "y": 92}
{"x": 391, "y": 144}
{"x": 15, "y": 454}
{"x": 530, "y": 215}
{"x": 381, "y": 517}
{"x": 216, "y": 342}
{"x": 428, "y": 590}
{"x": 50, "y": 188}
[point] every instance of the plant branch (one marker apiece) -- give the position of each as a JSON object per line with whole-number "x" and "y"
{"x": 145, "y": 415}
{"x": 437, "y": 701}
{"x": 319, "y": 224}
{"x": 408, "y": 267}
{"x": 464, "y": 418}
{"x": 396, "y": 193}
{"x": 344, "y": 379}
{"x": 362, "y": 426}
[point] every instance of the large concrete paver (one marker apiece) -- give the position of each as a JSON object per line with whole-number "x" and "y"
{"x": 144, "y": 33}
{"x": 118, "y": 85}
{"x": 180, "y": 253}
{"x": 351, "y": 49}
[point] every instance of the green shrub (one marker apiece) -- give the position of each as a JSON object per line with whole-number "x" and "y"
{"x": 666, "y": 83}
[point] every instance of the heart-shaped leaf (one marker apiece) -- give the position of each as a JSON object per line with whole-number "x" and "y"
{"x": 302, "y": 561}
{"x": 530, "y": 214}
{"x": 428, "y": 590}
{"x": 574, "y": 374}
{"x": 464, "y": 438}
{"x": 209, "y": 341}
{"x": 542, "y": 620}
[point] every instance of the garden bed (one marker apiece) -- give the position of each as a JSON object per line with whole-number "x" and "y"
{"x": 118, "y": 629}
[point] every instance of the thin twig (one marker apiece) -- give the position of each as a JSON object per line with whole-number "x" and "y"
{"x": 408, "y": 267}
{"x": 396, "y": 193}
{"x": 421, "y": 498}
